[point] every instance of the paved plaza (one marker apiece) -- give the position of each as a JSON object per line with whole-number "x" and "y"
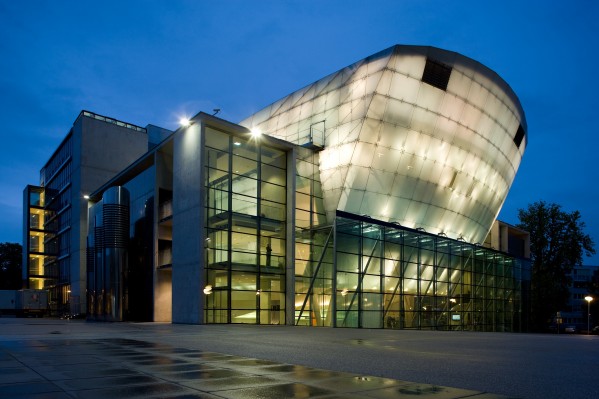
{"x": 49, "y": 358}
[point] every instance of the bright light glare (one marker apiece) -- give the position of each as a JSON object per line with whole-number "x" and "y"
{"x": 256, "y": 132}
{"x": 208, "y": 290}
{"x": 184, "y": 122}
{"x": 86, "y": 196}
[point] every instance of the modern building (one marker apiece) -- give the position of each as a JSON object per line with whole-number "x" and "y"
{"x": 581, "y": 279}
{"x": 55, "y": 212}
{"x": 508, "y": 239}
{"x": 362, "y": 200}
{"x": 418, "y": 135}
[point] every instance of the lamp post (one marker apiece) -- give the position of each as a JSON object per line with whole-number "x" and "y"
{"x": 588, "y": 298}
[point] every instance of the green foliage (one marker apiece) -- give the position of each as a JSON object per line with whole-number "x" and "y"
{"x": 557, "y": 243}
{"x": 10, "y": 266}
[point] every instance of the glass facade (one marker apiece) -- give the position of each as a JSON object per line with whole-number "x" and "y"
{"x": 312, "y": 268}
{"x": 270, "y": 255}
{"x": 245, "y": 248}
{"x": 40, "y": 271}
{"x": 354, "y": 272}
{"x": 47, "y": 223}
{"x": 120, "y": 256}
{"x": 138, "y": 272}
{"x": 416, "y": 135}
{"x": 371, "y": 274}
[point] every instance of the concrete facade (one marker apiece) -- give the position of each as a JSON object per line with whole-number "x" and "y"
{"x": 188, "y": 239}
{"x": 95, "y": 150}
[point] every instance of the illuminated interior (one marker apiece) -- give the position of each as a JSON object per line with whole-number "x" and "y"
{"x": 416, "y": 135}
{"x": 41, "y": 243}
{"x": 358, "y": 201}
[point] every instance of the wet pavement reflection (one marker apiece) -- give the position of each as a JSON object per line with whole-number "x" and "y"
{"x": 128, "y": 368}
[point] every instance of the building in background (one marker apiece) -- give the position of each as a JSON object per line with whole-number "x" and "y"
{"x": 55, "y": 212}
{"x": 580, "y": 286}
{"x": 509, "y": 239}
{"x": 362, "y": 200}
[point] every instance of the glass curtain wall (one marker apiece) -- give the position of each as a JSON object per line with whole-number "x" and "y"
{"x": 55, "y": 177}
{"x": 245, "y": 228}
{"x": 387, "y": 276}
{"x": 41, "y": 227}
{"x": 138, "y": 273}
{"x": 314, "y": 256}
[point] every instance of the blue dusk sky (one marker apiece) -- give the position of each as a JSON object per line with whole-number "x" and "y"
{"x": 155, "y": 61}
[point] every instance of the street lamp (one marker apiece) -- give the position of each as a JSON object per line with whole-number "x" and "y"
{"x": 588, "y": 298}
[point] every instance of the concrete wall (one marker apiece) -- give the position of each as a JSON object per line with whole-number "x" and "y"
{"x": 503, "y": 237}
{"x": 163, "y": 293}
{"x": 100, "y": 151}
{"x": 188, "y": 226}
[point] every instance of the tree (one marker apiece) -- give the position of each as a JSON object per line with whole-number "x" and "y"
{"x": 557, "y": 243}
{"x": 10, "y": 266}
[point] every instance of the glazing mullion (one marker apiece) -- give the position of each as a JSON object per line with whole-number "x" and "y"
{"x": 229, "y": 230}
{"x": 360, "y": 274}
{"x": 258, "y": 229}
{"x": 402, "y": 273}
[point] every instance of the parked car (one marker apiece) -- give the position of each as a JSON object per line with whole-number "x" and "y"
{"x": 570, "y": 329}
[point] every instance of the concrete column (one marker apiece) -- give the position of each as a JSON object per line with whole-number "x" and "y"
{"x": 188, "y": 225}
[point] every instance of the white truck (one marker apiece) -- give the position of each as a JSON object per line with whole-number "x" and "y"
{"x": 22, "y": 303}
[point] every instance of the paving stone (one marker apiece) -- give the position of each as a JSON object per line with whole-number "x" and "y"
{"x": 291, "y": 391}
{"x": 133, "y": 368}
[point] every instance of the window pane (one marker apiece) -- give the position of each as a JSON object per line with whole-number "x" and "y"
{"x": 302, "y": 201}
{"x": 348, "y": 262}
{"x": 273, "y": 175}
{"x": 217, "y": 199}
{"x": 347, "y": 282}
{"x": 216, "y": 139}
{"x": 216, "y": 159}
{"x": 218, "y": 278}
{"x": 245, "y": 205}
{"x": 302, "y": 184}
{"x": 273, "y": 192}
{"x": 275, "y": 245}
{"x": 243, "y": 281}
{"x": 244, "y": 166}
{"x": 245, "y": 185}
{"x": 302, "y": 219}
{"x": 272, "y": 282}
{"x": 243, "y": 299}
{"x": 217, "y": 179}
{"x": 272, "y": 210}
{"x": 274, "y": 157}
{"x": 371, "y": 283}
{"x": 243, "y": 316}
{"x": 243, "y": 258}
{"x": 246, "y": 149}
{"x": 243, "y": 242}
